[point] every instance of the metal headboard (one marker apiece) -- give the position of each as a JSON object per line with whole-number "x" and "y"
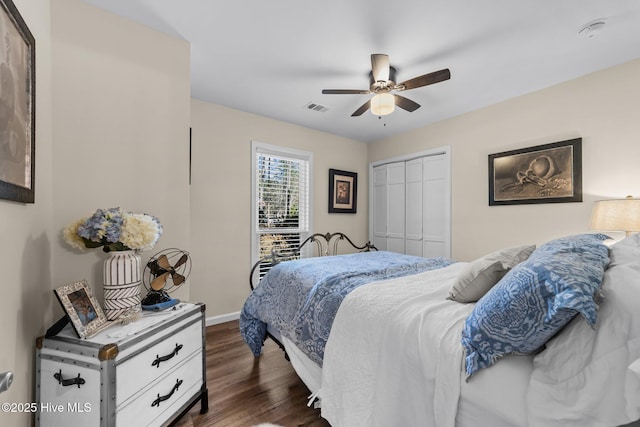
{"x": 325, "y": 245}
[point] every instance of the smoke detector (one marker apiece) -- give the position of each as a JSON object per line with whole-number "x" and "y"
{"x": 592, "y": 28}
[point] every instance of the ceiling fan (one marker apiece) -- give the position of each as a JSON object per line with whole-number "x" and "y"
{"x": 382, "y": 82}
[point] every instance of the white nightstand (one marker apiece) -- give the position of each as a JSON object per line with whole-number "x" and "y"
{"x": 148, "y": 372}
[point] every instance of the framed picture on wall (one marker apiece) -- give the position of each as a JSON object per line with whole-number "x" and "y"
{"x": 17, "y": 106}
{"x": 550, "y": 173}
{"x": 343, "y": 191}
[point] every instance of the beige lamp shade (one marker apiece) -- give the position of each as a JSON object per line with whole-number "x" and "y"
{"x": 616, "y": 215}
{"x": 382, "y": 104}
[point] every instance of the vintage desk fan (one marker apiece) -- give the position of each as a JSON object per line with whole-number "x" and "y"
{"x": 163, "y": 274}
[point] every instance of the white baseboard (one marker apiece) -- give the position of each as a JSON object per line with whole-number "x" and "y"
{"x": 222, "y": 318}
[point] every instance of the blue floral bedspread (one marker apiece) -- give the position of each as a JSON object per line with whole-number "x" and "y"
{"x": 301, "y": 298}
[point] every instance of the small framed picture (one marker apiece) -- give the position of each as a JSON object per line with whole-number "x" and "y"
{"x": 81, "y": 308}
{"x": 343, "y": 191}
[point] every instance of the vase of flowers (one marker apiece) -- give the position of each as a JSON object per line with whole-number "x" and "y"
{"x": 120, "y": 234}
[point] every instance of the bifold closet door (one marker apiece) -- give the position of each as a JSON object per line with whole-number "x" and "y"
{"x": 395, "y": 207}
{"x": 380, "y": 208}
{"x": 413, "y": 207}
{"x": 389, "y": 207}
{"x": 436, "y": 211}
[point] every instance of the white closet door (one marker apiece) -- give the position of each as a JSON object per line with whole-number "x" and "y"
{"x": 380, "y": 207}
{"x": 395, "y": 207}
{"x": 410, "y": 210}
{"x": 414, "y": 207}
{"x": 436, "y": 207}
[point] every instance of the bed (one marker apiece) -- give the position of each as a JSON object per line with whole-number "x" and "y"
{"x": 546, "y": 336}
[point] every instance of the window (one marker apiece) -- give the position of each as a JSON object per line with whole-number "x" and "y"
{"x": 281, "y": 207}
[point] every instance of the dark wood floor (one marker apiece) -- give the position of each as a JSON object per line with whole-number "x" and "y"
{"x": 244, "y": 391}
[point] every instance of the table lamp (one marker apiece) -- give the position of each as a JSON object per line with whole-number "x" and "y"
{"x": 616, "y": 215}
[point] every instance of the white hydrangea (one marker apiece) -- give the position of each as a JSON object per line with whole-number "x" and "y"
{"x": 139, "y": 231}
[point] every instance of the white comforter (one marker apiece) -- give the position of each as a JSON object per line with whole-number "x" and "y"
{"x": 587, "y": 377}
{"x": 394, "y": 356}
{"x": 373, "y": 359}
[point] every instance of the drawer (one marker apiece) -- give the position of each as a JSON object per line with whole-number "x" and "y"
{"x": 156, "y": 361}
{"x": 66, "y": 405}
{"x": 157, "y": 403}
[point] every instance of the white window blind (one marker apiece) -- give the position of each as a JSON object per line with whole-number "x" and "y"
{"x": 281, "y": 211}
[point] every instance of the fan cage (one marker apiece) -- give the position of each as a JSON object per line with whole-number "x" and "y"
{"x": 173, "y": 255}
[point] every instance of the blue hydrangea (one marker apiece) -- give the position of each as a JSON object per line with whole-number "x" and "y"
{"x": 103, "y": 225}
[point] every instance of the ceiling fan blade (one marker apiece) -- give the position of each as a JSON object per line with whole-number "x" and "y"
{"x": 345, "y": 91}
{"x": 424, "y": 80}
{"x": 362, "y": 109}
{"x": 158, "y": 282}
{"x": 406, "y": 103}
{"x": 380, "y": 67}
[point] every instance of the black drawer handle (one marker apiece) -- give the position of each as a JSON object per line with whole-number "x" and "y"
{"x": 167, "y": 357}
{"x": 163, "y": 398}
{"x": 70, "y": 381}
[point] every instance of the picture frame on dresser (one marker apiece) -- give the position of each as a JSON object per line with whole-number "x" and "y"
{"x": 548, "y": 173}
{"x": 343, "y": 191}
{"x": 82, "y": 308}
{"x": 17, "y": 106}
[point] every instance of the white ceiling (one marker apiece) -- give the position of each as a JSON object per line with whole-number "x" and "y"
{"x": 274, "y": 57}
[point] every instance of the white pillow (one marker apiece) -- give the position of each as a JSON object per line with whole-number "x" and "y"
{"x": 480, "y": 275}
{"x": 625, "y": 251}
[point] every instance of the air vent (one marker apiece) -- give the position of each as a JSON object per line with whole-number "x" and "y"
{"x": 316, "y": 107}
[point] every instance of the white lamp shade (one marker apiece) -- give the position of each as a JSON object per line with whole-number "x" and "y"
{"x": 382, "y": 104}
{"x": 616, "y": 215}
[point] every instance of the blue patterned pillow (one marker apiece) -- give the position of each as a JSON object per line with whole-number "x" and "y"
{"x": 536, "y": 299}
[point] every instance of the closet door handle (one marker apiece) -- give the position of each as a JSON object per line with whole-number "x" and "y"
{"x": 69, "y": 381}
{"x": 167, "y": 357}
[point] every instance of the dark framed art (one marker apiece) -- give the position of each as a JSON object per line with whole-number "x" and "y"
{"x": 549, "y": 173}
{"x": 17, "y": 106}
{"x": 82, "y": 309}
{"x": 343, "y": 191}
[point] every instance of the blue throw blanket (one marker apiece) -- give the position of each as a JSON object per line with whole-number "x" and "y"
{"x": 301, "y": 298}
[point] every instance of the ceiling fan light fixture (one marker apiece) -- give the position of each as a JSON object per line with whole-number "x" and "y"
{"x": 382, "y": 104}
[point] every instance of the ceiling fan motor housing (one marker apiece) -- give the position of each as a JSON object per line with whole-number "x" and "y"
{"x": 383, "y": 86}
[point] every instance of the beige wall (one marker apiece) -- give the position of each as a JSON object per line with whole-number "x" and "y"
{"x": 26, "y": 238}
{"x": 221, "y": 195}
{"x": 113, "y": 98}
{"x": 602, "y": 108}
{"x": 121, "y": 100}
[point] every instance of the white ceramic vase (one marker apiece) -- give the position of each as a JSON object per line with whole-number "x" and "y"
{"x": 122, "y": 284}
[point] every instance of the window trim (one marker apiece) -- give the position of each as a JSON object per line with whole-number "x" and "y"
{"x": 276, "y": 150}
